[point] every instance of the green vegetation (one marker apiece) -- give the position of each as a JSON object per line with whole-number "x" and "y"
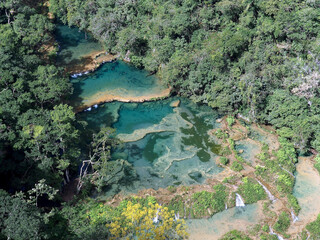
{"x": 258, "y": 58}
{"x": 317, "y": 164}
{"x": 293, "y": 203}
{"x": 251, "y": 191}
{"x": 235, "y": 235}
{"x": 236, "y": 166}
{"x": 230, "y": 120}
{"x": 283, "y": 223}
{"x": 224, "y": 160}
{"x": 314, "y": 228}
{"x": 215, "y": 201}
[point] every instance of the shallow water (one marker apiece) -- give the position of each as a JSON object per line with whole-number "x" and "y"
{"x": 234, "y": 218}
{"x": 166, "y": 145}
{"x": 74, "y": 45}
{"x": 250, "y": 150}
{"x": 307, "y": 189}
{"x": 116, "y": 80}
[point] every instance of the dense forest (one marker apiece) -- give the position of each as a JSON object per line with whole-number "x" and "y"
{"x": 258, "y": 59}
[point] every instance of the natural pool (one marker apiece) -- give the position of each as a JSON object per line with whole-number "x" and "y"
{"x": 74, "y": 45}
{"x": 234, "y": 218}
{"x": 166, "y": 145}
{"x": 116, "y": 81}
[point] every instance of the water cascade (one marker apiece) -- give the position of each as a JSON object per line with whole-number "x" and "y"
{"x": 270, "y": 196}
{"x": 239, "y": 201}
{"x": 294, "y": 217}
{"x": 273, "y": 233}
{"x": 287, "y": 171}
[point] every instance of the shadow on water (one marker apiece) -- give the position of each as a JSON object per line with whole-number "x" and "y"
{"x": 74, "y": 46}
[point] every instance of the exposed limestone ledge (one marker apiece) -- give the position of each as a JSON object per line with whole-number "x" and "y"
{"x": 103, "y": 97}
{"x": 90, "y": 62}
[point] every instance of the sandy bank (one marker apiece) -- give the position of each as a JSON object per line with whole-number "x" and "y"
{"x": 103, "y": 97}
{"x": 89, "y": 62}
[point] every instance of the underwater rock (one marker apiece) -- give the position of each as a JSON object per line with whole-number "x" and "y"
{"x": 241, "y": 151}
{"x": 195, "y": 176}
{"x": 175, "y": 103}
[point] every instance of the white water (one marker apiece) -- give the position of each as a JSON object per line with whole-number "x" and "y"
{"x": 239, "y": 201}
{"x": 294, "y": 217}
{"x": 287, "y": 171}
{"x": 273, "y": 233}
{"x": 270, "y": 196}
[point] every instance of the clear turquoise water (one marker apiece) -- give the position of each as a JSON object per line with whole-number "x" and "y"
{"x": 74, "y": 45}
{"x": 166, "y": 145}
{"x": 307, "y": 190}
{"x": 116, "y": 78}
{"x": 250, "y": 150}
{"x": 223, "y": 222}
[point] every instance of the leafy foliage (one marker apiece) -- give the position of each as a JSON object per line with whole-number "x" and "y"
{"x": 236, "y": 166}
{"x": 251, "y": 190}
{"x": 215, "y": 201}
{"x": 283, "y": 223}
{"x": 314, "y": 228}
{"x": 139, "y": 222}
{"x": 235, "y": 235}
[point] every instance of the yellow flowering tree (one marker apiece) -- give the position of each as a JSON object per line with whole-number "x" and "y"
{"x": 144, "y": 223}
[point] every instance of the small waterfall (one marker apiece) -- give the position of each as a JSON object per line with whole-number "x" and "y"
{"x": 287, "y": 171}
{"x": 239, "y": 201}
{"x": 294, "y": 217}
{"x": 226, "y": 207}
{"x": 271, "y": 197}
{"x": 308, "y": 233}
{"x": 156, "y": 218}
{"x": 273, "y": 233}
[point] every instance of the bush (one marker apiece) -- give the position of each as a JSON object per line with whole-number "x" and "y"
{"x": 285, "y": 182}
{"x": 251, "y": 191}
{"x": 283, "y": 223}
{"x": 230, "y": 120}
{"x": 236, "y": 166}
{"x": 215, "y": 201}
{"x": 235, "y": 235}
{"x": 317, "y": 164}
{"x": 293, "y": 203}
{"x": 314, "y": 228}
{"x": 265, "y": 228}
{"x": 224, "y": 160}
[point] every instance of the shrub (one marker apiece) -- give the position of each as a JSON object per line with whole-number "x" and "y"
{"x": 230, "y": 120}
{"x": 235, "y": 235}
{"x": 293, "y": 203}
{"x": 314, "y": 228}
{"x": 283, "y": 223}
{"x": 236, "y": 166}
{"x": 251, "y": 191}
{"x": 317, "y": 164}
{"x": 285, "y": 183}
{"x": 224, "y": 160}
{"x": 215, "y": 201}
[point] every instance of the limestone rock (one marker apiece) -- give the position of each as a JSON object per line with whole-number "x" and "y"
{"x": 175, "y": 103}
